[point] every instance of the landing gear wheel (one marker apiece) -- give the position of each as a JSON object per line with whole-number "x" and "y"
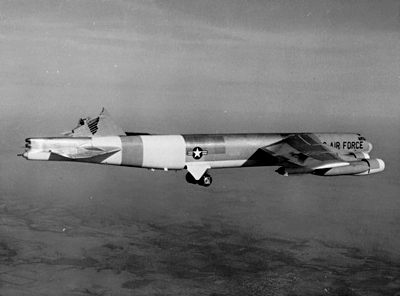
{"x": 206, "y": 180}
{"x": 190, "y": 179}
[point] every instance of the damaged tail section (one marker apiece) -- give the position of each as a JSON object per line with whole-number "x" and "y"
{"x": 93, "y": 140}
{"x": 101, "y": 126}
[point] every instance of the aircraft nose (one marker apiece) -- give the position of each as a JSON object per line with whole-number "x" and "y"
{"x": 368, "y": 146}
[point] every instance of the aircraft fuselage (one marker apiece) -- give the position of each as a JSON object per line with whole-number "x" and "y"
{"x": 101, "y": 140}
{"x": 176, "y": 152}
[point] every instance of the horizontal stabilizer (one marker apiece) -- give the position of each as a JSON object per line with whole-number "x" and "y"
{"x": 89, "y": 152}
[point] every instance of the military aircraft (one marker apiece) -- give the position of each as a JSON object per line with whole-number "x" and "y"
{"x": 101, "y": 140}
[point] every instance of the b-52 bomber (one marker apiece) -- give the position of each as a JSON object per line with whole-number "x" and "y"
{"x": 101, "y": 140}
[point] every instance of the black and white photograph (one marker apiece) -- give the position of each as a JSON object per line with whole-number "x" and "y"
{"x": 198, "y": 147}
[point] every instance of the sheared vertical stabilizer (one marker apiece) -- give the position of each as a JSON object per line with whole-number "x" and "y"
{"x": 101, "y": 126}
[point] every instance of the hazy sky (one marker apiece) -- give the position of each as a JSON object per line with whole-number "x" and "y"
{"x": 202, "y": 67}
{"x": 160, "y": 64}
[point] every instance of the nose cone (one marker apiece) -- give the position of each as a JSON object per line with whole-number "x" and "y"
{"x": 367, "y": 146}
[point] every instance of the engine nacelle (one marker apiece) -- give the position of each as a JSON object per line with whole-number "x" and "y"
{"x": 363, "y": 167}
{"x": 354, "y": 155}
{"x": 293, "y": 171}
{"x": 360, "y": 155}
{"x": 375, "y": 166}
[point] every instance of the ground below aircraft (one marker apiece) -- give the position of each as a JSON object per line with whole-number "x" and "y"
{"x": 101, "y": 140}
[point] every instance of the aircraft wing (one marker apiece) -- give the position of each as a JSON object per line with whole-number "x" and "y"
{"x": 305, "y": 153}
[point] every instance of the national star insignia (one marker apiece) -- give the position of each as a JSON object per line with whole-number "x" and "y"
{"x": 197, "y": 153}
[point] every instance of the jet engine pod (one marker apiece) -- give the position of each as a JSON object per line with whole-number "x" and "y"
{"x": 376, "y": 165}
{"x": 293, "y": 171}
{"x": 363, "y": 167}
{"x": 360, "y": 155}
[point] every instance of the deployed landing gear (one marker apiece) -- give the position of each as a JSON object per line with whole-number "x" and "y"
{"x": 205, "y": 180}
{"x": 190, "y": 179}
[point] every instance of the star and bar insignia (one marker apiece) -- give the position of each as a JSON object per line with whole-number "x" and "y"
{"x": 197, "y": 153}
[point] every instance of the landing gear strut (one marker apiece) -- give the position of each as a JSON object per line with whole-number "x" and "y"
{"x": 205, "y": 180}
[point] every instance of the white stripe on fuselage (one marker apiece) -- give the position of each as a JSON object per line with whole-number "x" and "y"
{"x": 164, "y": 152}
